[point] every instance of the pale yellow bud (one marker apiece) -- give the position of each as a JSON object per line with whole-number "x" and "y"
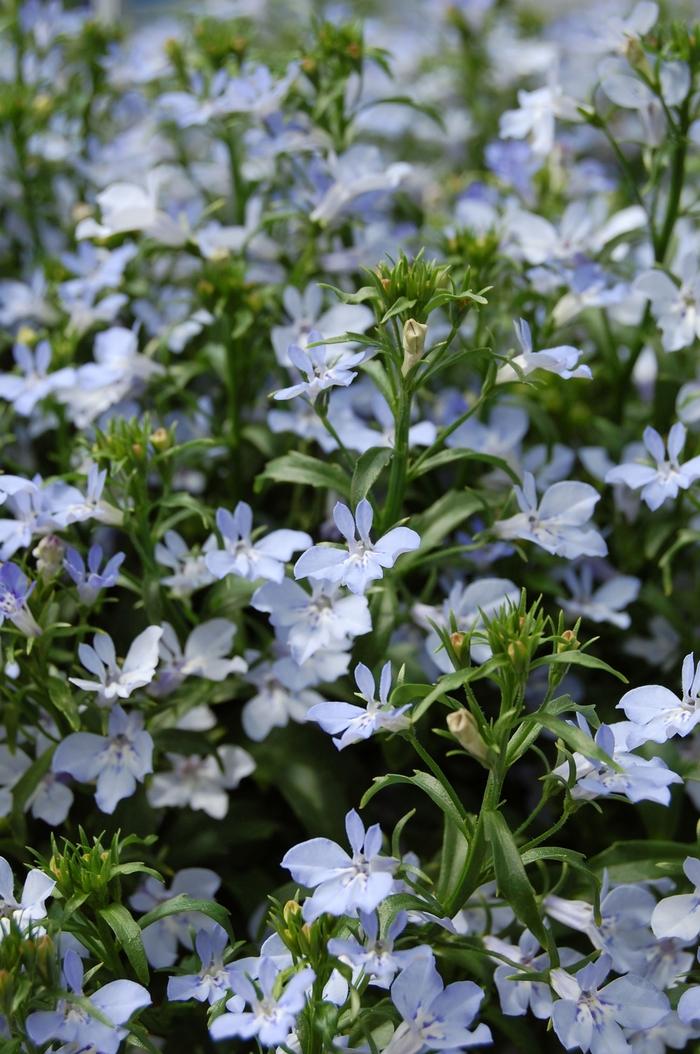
{"x": 413, "y": 344}
{"x": 463, "y": 727}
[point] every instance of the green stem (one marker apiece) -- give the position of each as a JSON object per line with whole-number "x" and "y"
{"x": 680, "y": 153}
{"x": 399, "y": 462}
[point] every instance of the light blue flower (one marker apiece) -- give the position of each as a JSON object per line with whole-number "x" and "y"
{"x": 325, "y": 620}
{"x": 343, "y": 884}
{"x": 558, "y": 522}
{"x": 15, "y": 590}
{"x": 435, "y": 1017}
{"x": 116, "y": 761}
{"x": 161, "y": 939}
{"x": 658, "y": 713}
{"x": 591, "y": 1018}
{"x": 377, "y": 957}
{"x": 272, "y": 1015}
{"x": 321, "y": 367}
{"x": 636, "y": 778}
{"x": 213, "y": 980}
{"x": 662, "y": 482}
{"x": 72, "y": 1022}
{"x": 115, "y": 680}
{"x": 360, "y": 722}
{"x": 363, "y": 561}
{"x": 241, "y": 556}
{"x": 90, "y": 581}
{"x": 562, "y": 360}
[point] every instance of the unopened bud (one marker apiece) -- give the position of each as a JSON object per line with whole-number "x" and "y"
{"x": 160, "y": 439}
{"x": 413, "y": 344}
{"x": 569, "y": 641}
{"x": 49, "y": 556}
{"x": 517, "y": 652}
{"x": 463, "y": 727}
{"x": 27, "y": 336}
{"x": 291, "y": 911}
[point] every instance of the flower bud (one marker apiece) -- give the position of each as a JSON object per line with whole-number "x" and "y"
{"x": 413, "y": 344}
{"x": 463, "y": 727}
{"x": 27, "y": 336}
{"x": 161, "y": 439}
{"x": 49, "y": 556}
{"x": 568, "y": 642}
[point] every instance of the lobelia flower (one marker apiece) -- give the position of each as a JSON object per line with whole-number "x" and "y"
{"x": 377, "y": 957}
{"x": 324, "y": 620}
{"x": 306, "y": 314}
{"x": 10, "y": 485}
{"x": 364, "y": 560}
{"x": 343, "y": 884}
{"x": 536, "y": 117}
{"x": 100, "y": 1032}
{"x": 190, "y": 571}
{"x": 69, "y": 505}
{"x": 604, "y": 604}
{"x": 15, "y": 590}
{"x": 201, "y": 782}
{"x": 623, "y": 932}
{"x": 252, "y": 560}
{"x": 31, "y": 906}
{"x": 360, "y": 722}
{"x": 50, "y": 800}
{"x": 271, "y": 1018}
{"x": 35, "y": 382}
{"x": 115, "y": 681}
{"x": 161, "y": 939}
{"x": 213, "y": 981}
{"x": 518, "y": 997}
{"x": 675, "y": 308}
{"x": 663, "y": 482}
{"x": 116, "y": 761}
{"x": 679, "y": 915}
{"x": 591, "y": 1018}
{"x": 322, "y": 366}
{"x": 284, "y": 694}
{"x": 558, "y": 522}
{"x": 435, "y": 1017}
{"x": 90, "y": 581}
{"x": 562, "y": 360}
{"x": 658, "y": 713}
{"x": 205, "y": 655}
{"x": 637, "y": 778}
{"x": 358, "y": 172}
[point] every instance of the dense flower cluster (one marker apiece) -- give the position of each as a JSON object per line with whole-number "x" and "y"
{"x": 348, "y": 383}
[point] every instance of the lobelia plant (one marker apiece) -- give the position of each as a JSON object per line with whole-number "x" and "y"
{"x": 329, "y": 353}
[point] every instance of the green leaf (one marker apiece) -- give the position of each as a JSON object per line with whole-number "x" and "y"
{"x": 447, "y": 457}
{"x": 128, "y": 932}
{"x": 574, "y": 737}
{"x": 433, "y": 525}
{"x": 638, "y": 861}
{"x": 62, "y": 698}
{"x": 511, "y": 878}
{"x": 368, "y": 469}
{"x": 184, "y": 903}
{"x": 429, "y": 785}
{"x": 367, "y": 292}
{"x": 301, "y": 468}
{"x": 579, "y": 658}
{"x": 458, "y": 679}
{"x": 390, "y": 908}
{"x": 402, "y": 304}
